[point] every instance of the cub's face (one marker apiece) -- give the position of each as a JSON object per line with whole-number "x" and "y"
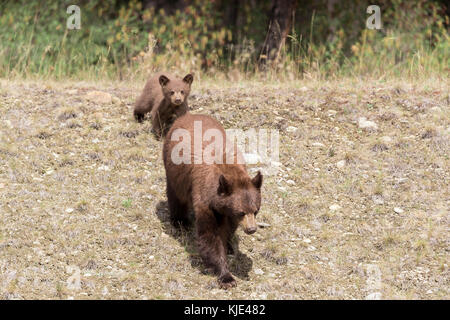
{"x": 176, "y": 90}
{"x": 240, "y": 201}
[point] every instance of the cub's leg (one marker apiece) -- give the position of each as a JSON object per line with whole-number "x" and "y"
{"x": 178, "y": 210}
{"x": 156, "y": 124}
{"x": 138, "y": 115}
{"x": 211, "y": 247}
{"x": 143, "y": 105}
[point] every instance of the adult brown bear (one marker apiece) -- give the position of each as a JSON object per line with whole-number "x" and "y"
{"x": 165, "y": 96}
{"x": 221, "y": 195}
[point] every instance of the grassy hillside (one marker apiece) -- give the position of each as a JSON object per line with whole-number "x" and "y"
{"x": 351, "y": 212}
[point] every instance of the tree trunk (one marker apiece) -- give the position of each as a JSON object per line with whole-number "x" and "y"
{"x": 279, "y": 24}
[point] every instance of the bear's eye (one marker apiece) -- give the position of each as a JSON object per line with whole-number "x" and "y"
{"x": 241, "y": 214}
{"x": 182, "y": 92}
{"x": 172, "y": 93}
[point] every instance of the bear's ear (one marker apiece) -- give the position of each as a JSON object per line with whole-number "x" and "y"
{"x": 188, "y": 78}
{"x": 224, "y": 186}
{"x": 257, "y": 180}
{"x": 163, "y": 80}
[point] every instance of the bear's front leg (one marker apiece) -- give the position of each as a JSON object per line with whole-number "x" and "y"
{"x": 212, "y": 249}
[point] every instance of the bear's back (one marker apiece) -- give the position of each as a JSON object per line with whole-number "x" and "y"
{"x": 181, "y": 175}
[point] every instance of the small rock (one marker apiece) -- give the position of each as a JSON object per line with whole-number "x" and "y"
{"x": 306, "y": 240}
{"x": 259, "y": 271}
{"x": 331, "y": 113}
{"x": 116, "y": 100}
{"x": 69, "y": 210}
{"x": 378, "y": 200}
{"x": 275, "y": 163}
{"x": 398, "y": 210}
{"x": 291, "y": 129}
{"x": 335, "y": 207}
{"x": 436, "y": 109}
{"x": 318, "y": 145}
{"x": 291, "y": 182}
{"x": 97, "y": 116}
{"x": 103, "y": 168}
{"x": 99, "y": 97}
{"x": 401, "y": 180}
{"x": 263, "y": 224}
{"x": 363, "y": 123}
{"x": 386, "y": 139}
{"x": 374, "y": 296}
{"x": 341, "y": 164}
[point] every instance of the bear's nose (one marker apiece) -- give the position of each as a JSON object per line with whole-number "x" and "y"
{"x": 178, "y": 101}
{"x": 250, "y": 230}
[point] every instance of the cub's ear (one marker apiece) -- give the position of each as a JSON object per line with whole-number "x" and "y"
{"x": 163, "y": 80}
{"x": 257, "y": 180}
{"x": 224, "y": 186}
{"x": 188, "y": 78}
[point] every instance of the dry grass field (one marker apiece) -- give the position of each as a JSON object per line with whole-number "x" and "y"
{"x": 358, "y": 208}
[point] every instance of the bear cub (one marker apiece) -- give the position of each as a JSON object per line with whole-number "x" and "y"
{"x": 165, "y": 96}
{"x": 222, "y": 196}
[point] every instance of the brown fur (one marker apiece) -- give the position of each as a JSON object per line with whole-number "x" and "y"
{"x": 165, "y": 96}
{"x": 222, "y": 196}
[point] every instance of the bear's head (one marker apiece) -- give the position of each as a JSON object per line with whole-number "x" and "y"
{"x": 239, "y": 198}
{"x": 176, "y": 90}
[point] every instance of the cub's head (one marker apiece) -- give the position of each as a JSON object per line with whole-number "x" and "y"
{"x": 176, "y": 90}
{"x": 239, "y": 199}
